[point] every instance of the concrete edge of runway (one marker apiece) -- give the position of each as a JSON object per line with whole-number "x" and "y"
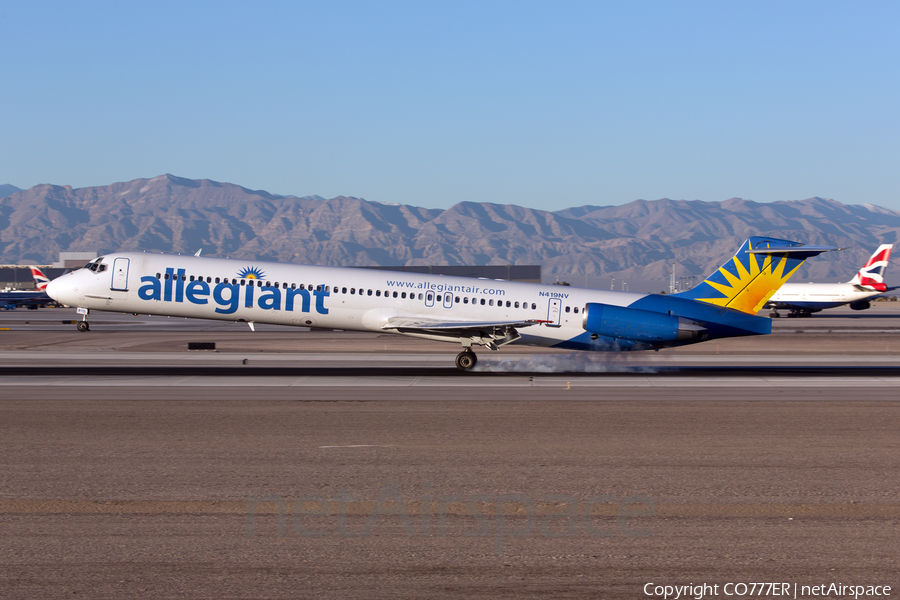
{"x": 93, "y": 371}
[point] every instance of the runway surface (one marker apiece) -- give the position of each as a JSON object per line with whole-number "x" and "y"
{"x": 276, "y": 466}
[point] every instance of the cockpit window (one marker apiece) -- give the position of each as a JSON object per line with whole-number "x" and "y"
{"x": 96, "y": 266}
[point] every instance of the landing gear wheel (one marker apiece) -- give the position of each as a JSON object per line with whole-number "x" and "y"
{"x": 83, "y": 326}
{"x": 466, "y": 360}
{"x": 774, "y": 314}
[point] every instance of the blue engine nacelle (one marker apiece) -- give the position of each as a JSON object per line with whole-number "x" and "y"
{"x": 640, "y": 325}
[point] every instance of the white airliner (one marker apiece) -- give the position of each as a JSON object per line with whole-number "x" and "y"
{"x": 802, "y": 299}
{"x": 469, "y": 312}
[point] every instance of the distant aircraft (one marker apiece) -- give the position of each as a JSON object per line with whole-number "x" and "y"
{"x": 802, "y": 299}
{"x": 468, "y": 312}
{"x": 32, "y": 299}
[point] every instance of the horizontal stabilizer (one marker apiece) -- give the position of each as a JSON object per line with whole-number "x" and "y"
{"x": 799, "y": 252}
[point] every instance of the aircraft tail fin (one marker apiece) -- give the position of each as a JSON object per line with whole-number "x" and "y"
{"x": 872, "y": 273}
{"x": 40, "y": 280}
{"x": 759, "y": 267}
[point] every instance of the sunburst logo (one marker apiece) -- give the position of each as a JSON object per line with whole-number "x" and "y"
{"x": 747, "y": 281}
{"x": 251, "y": 273}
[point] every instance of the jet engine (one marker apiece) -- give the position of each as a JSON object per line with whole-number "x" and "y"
{"x": 860, "y": 305}
{"x": 640, "y": 325}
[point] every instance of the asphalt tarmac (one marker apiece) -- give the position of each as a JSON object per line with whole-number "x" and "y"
{"x": 319, "y": 464}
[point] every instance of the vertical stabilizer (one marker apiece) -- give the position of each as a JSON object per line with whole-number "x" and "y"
{"x": 754, "y": 274}
{"x": 872, "y": 273}
{"x": 40, "y": 280}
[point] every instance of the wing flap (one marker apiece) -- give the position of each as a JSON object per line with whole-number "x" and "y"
{"x": 453, "y": 326}
{"x": 492, "y": 334}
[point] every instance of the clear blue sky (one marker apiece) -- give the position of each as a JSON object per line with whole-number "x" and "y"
{"x": 545, "y": 105}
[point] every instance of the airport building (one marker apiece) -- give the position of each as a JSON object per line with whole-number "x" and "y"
{"x": 525, "y": 273}
{"x": 19, "y": 276}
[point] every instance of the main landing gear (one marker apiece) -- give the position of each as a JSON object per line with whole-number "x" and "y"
{"x": 795, "y": 313}
{"x": 466, "y": 360}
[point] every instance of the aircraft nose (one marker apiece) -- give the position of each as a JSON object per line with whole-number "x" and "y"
{"x": 53, "y": 289}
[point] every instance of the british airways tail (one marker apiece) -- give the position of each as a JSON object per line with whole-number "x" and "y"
{"x": 40, "y": 280}
{"x": 747, "y": 281}
{"x": 872, "y": 274}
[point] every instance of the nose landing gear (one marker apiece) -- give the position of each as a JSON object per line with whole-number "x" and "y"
{"x": 83, "y": 324}
{"x": 466, "y": 360}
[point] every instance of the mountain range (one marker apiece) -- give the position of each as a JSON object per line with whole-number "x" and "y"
{"x": 636, "y": 242}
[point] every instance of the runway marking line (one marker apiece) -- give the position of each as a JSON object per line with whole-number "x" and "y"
{"x": 239, "y": 508}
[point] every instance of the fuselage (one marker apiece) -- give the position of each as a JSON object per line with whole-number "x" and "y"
{"x": 819, "y": 296}
{"x": 315, "y": 296}
{"x": 368, "y": 300}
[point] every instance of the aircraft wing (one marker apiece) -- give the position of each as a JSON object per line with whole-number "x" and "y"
{"x": 433, "y": 325}
{"x": 489, "y": 333}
